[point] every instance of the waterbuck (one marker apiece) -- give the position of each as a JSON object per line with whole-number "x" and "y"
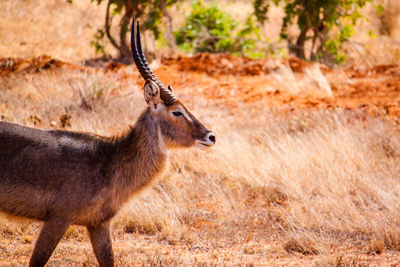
{"x": 65, "y": 178}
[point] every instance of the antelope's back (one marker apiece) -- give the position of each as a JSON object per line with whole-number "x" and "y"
{"x": 40, "y": 168}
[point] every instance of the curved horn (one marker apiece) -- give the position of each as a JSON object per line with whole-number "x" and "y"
{"x": 141, "y": 63}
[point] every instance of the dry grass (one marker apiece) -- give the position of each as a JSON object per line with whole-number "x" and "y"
{"x": 282, "y": 187}
{"x": 279, "y": 183}
{"x": 56, "y": 28}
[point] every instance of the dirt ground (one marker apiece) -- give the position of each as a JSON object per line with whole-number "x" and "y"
{"x": 242, "y": 79}
{"x": 229, "y": 80}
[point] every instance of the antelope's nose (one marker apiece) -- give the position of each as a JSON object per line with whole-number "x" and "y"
{"x": 211, "y": 137}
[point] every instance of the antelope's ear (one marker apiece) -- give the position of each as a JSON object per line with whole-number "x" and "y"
{"x": 152, "y": 95}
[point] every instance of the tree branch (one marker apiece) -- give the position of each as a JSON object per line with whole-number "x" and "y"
{"x": 169, "y": 35}
{"x": 107, "y": 26}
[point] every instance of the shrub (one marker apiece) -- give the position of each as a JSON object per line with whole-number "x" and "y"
{"x": 326, "y": 24}
{"x": 208, "y": 29}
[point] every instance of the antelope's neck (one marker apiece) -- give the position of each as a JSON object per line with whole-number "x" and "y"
{"x": 140, "y": 158}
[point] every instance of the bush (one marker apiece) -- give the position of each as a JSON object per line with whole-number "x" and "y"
{"x": 326, "y": 24}
{"x": 208, "y": 29}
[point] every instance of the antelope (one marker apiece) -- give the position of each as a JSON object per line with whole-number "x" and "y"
{"x": 68, "y": 178}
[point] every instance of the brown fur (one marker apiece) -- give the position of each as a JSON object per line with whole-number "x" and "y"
{"x": 65, "y": 178}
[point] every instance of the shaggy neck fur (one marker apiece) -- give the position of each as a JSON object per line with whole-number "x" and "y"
{"x": 140, "y": 158}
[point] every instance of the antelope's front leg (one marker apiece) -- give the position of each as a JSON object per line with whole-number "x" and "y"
{"x": 51, "y": 233}
{"x": 101, "y": 242}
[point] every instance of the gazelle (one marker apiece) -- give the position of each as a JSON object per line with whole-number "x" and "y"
{"x": 65, "y": 178}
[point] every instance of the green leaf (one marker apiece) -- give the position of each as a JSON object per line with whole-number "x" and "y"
{"x": 371, "y": 34}
{"x": 379, "y": 8}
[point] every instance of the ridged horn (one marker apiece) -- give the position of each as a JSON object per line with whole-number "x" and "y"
{"x": 166, "y": 95}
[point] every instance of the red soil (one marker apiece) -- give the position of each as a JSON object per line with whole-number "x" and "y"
{"x": 232, "y": 80}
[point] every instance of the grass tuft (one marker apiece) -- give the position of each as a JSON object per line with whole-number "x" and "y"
{"x": 303, "y": 246}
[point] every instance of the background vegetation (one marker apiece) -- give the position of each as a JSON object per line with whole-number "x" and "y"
{"x": 323, "y": 27}
{"x": 150, "y": 11}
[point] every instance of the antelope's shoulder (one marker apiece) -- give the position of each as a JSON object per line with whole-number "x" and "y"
{"x": 19, "y": 135}
{"x": 79, "y": 142}
{"x": 12, "y": 134}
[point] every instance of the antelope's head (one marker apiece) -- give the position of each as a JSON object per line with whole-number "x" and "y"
{"x": 178, "y": 126}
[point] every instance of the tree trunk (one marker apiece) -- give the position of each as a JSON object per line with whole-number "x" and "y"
{"x": 124, "y": 50}
{"x": 299, "y": 47}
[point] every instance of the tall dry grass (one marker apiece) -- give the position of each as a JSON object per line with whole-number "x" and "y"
{"x": 309, "y": 182}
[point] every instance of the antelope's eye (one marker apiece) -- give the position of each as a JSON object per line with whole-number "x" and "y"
{"x": 177, "y": 113}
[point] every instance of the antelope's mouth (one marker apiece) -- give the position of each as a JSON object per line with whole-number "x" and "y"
{"x": 204, "y": 143}
{"x": 209, "y": 141}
